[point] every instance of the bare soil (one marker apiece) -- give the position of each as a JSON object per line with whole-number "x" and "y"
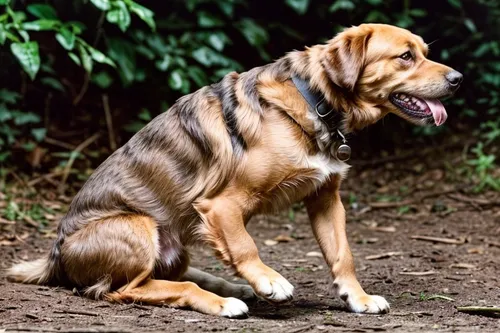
{"x": 424, "y": 281}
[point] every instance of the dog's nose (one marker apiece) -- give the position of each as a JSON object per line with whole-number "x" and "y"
{"x": 454, "y": 78}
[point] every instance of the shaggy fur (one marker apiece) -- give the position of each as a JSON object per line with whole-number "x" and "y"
{"x": 245, "y": 145}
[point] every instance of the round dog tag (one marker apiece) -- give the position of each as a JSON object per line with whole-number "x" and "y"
{"x": 343, "y": 152}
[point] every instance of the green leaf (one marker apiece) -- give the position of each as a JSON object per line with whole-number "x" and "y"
{"x": 24, "y": 35}
{"x": 176, "y": 81}
{"x": 102, "y": 79}
{"x": 207, "y": 20}
{"x": 9, "y": 96}
{"x": 164, "y": 63}
{"x": 455, "y": 3}
{"x": 18, "y": 16}
{"x": 66, "y": 38}
{"x": 253, "y": 32}
{"x": 145, "y": 115}
{"x": 144, "y": 14}
{"x": 102, "y": 4}
{"x": 3, "y": 34}
{"x": 39, "y": 133}
{"x": 226, "y": 7}
{"x": 42, "y": 11}
{"x": 124, "y": 54}
{"x": 218, "y": 40}
{"x": 87, "y": 62}
{"x": 5, "y": 113}
{"x": 41, "y": 25}
{"x": 75, "y": 58}
{"x": 4, "y": 2}
{"x": 417, "y": 12}
{"x": 300, "y": 6}
{"x": 119, "y": 15}
{"x": 53, "y": 83}
{"x": 76, "y": 26}
{"x": 134, "y": 127}
{"x": 28, "y": 56}
{"x": 99, "y": 56}
{"x": 208, "y": 57}
{"x": 197, "y": 75}
{"x": 148, "y": 53}
{"x": 470, "y": 25}
{"x": 342, "y": 5}
{"x": 23, "y": 118}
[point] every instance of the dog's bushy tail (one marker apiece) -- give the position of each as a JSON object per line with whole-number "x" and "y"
{"x": 34, "y": 272}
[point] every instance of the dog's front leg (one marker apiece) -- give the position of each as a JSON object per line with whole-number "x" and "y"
{"x": 224, "y": 228}
{"x": 327, "y": 216}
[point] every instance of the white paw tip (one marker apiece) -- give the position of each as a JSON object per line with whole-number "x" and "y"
{"x": 369, "y": 304}
{"x": 234, "y": 308}
{"x": 279, "y": 290}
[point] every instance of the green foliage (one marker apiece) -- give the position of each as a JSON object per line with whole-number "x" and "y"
{"x": 152, "y": 52}
{"x": 485, "y": 172}
{"x": 14, "y": 124}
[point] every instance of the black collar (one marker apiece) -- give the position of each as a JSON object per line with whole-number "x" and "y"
{"x": 328, "y": 115}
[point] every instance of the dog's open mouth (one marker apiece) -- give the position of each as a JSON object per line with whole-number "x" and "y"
{"x": 420, "y": 108}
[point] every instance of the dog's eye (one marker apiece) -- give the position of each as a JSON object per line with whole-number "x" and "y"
{"x": 406, "y": 56}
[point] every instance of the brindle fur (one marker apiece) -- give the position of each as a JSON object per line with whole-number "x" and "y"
{"x": 197, "y": 173}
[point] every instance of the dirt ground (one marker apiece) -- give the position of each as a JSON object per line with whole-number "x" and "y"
{"x": 389, "y": 205}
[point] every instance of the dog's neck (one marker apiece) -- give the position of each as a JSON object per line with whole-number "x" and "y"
{"x": 330, "y": 117}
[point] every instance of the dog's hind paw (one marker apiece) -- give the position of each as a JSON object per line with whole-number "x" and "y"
{"x": 367, "y": 304}
{"x": 234, "y": 308}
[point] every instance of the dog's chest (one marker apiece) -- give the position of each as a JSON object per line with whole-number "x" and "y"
{"x": 309, "y": 174}
{"x": 324, "y": 166}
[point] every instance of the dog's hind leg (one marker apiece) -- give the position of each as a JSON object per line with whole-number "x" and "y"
{"x": 181, "y": 295}
{"x": 115, "y": 259}
{"x": 218, "y": 285}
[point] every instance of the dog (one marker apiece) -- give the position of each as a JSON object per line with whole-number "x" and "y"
{"x": 254, "y": 142}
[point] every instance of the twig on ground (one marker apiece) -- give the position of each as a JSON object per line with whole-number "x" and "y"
{"x": 426, "y": 273}
{"x": 446, "y": 298}
{"x": 383, "y": 255}
{"x": 58, "y": 143}
{"x": 46, "y": 177}
{"x": 383, "y": 229}
{"x": 72, "y": 158}
{"x": 109, "y": 122}
{"x": 78, "y": 312}
{"x": 480, "y": 310}
{"x": 417, "y": 313}
{"x": 83, "y": 89}
{"x": 439, "y": 240}
{"x": 477, "y": 203}
{"x": 492, "y": 243}
{"x": 4, "y": 221}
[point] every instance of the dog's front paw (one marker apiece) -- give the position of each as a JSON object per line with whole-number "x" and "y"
{"x": 366, "y": 303}
{"x": 275, "y": 289}
{"x": 234, "y": 308}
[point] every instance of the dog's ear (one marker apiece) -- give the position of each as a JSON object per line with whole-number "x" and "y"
{"x": 344, "y": 57}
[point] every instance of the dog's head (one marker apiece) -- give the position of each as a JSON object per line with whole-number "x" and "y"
{"x": 386, "y": 69}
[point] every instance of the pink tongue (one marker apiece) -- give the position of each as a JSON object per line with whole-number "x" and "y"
{"x": 438, "y": 111}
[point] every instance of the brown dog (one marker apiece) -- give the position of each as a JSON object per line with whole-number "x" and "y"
{"x": 249, "y": 144}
